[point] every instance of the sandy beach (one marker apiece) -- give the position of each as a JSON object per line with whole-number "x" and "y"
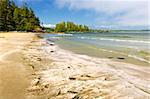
{"x": 14, "y": 73}
{"x": 31, "y": 68}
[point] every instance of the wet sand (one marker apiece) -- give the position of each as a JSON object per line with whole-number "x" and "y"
{"x": 31, "y": 68}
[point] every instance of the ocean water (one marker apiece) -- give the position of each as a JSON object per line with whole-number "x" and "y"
{"x": 132, "y": 46}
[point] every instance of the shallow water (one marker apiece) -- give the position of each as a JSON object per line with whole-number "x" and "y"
{"x": 133, "y": 46}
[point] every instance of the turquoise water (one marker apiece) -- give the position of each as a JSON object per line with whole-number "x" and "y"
{"x": 133, "y": 46}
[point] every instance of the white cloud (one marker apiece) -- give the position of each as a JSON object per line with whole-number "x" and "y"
{"x": 122, "y": 12}
{"x": 49, "y": 25}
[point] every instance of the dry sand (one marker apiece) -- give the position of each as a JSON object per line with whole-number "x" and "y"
{"x": 33, "y": 69}
{"x": 13, "y": 73}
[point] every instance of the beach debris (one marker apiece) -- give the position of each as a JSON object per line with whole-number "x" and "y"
{"x": 76, "y": 97}
{"x": 39, "y": 36}
{"x": 31, "y": 66}
{"x": 36, "y": 90}
{"x": 85, "y": 76}
{"x": 68, "y": 67}
{"x": 51, "y": 51}
{"x": 2, "y": 37}
{"x": 59, "y": 92}
{"x": 51, "y": 44}
{"x": 37, "y": 83}
{"x": 74, "y": 92}
{"x": 39, "y": 78}
{"x": 72, "y": 78}
{"x": 39, "y": 49}
{"x": 33, "y": 74}
{"x": 120, "y": 58}
{"x": 39, "y": 59}
{"x": 46, "y": 86}
{"x": 33, "y": 41}
{"x": 110, "y": 57}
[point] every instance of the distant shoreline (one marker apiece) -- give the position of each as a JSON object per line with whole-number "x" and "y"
{"x": 53, "y": 32}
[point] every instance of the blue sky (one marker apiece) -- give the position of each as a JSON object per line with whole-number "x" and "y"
{"x": 111, "y": 14}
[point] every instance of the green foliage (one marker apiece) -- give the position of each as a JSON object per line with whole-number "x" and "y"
{"x": 48, "y": 30}
{"x": 70, "y": 27}
{"x": 3, "y": 14}
{"x": 61, "y": 27}
{"x": 14, "y": 18}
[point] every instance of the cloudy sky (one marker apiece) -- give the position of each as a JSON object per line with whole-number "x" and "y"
{"x": 112, "y": 14}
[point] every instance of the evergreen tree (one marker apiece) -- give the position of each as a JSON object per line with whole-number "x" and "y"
{"x": 9, "y": 17}
{"x": 61, "y": 27}
{"x": 17, "y": 18}
{"x": 3, "y": 14}
{"x": 70, "y": 27}
{"x": 14, "y": 18}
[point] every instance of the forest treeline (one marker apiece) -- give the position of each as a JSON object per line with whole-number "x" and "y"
{"x": 14, "y": 18}
{"x": 70, "y": 27}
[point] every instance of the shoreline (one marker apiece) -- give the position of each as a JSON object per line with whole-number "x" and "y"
{"x": 127, "y": 55}
{"x": 55, "y": 73}
{"x": 93, "y": 51}
{"x": 70, "y": 75}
